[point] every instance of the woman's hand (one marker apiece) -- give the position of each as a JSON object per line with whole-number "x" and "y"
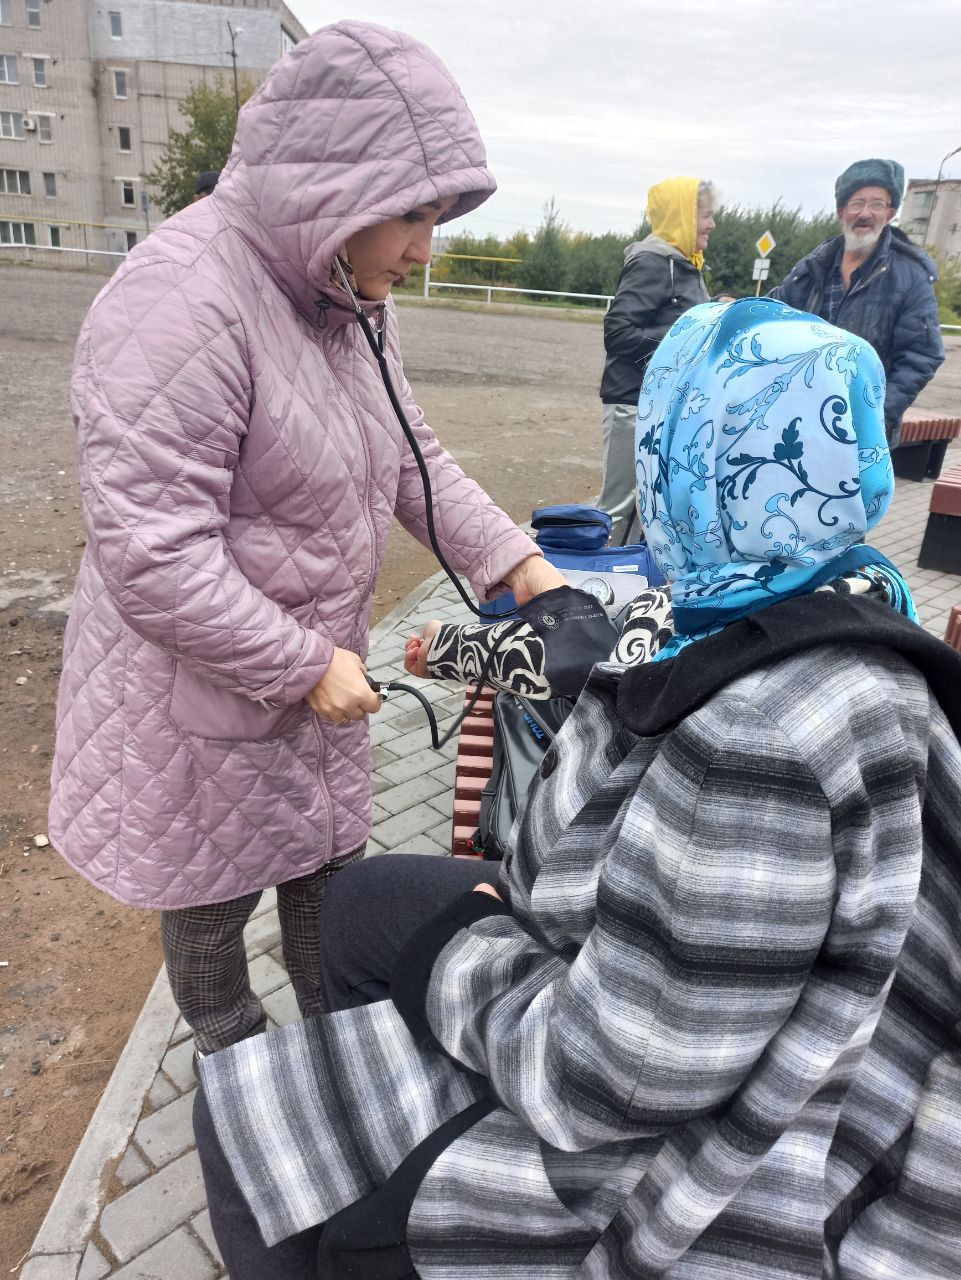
{"x": 415, "y": 650}
{"x": 489, "y": 890}
{"x": 343, "y": 694}
{"x": 532, "y": 577}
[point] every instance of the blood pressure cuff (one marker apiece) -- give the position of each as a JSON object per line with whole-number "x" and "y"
{"x": 575, "y": 632}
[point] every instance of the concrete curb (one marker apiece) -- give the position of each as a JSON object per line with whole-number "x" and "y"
{"x": 79, "y": 1199}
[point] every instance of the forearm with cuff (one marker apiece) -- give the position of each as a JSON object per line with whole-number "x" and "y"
{"x": 518, "y": 666}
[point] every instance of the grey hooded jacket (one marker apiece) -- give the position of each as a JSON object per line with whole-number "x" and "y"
{"x": 656, "y": 285}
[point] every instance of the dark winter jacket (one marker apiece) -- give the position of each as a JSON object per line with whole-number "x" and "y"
{"x": 893, "y": 307}
{"x": 656, "y": 285}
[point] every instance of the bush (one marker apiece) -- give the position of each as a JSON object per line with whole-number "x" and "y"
{"x": 732, "y": 248}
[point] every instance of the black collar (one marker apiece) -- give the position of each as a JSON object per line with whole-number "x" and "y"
{"x": 657, "y": 695}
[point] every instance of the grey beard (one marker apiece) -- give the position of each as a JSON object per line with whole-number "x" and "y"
{"x": 861, "y": 243}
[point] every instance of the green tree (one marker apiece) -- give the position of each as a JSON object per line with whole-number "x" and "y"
{"x": 545, "y": 264}
{"x": 516, "y": 246}
{"x": 211, "y": 116}
{"x": 731, "y": 251}
{"x": 465, "y": 269}
{"x": 947, "y": 287}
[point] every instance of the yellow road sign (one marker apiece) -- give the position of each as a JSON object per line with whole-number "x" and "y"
{"x": 765, "y": 245}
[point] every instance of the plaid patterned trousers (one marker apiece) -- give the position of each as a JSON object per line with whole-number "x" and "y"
{"x": 207, "y": 961}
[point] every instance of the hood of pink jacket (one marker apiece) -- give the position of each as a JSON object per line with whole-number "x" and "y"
{"x": 356, "y": 125}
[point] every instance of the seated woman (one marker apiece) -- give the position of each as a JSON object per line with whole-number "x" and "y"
{"x": 706, "y": 1024}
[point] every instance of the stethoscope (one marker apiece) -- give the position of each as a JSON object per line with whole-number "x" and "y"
{"x": 376, "y": 344}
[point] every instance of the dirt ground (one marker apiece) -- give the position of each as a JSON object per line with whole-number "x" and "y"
{"x": 512, "y": 395}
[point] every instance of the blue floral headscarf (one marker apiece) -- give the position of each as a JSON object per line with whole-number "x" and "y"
{"x": 761, "y": 460}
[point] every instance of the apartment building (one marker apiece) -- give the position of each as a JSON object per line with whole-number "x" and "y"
{"x": 931, "y": 214}
{"x": 89, "y": 91}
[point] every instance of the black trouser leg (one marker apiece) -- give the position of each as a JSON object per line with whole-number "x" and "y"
{"x": 373, "y": 907}
{"x": 245, "y": 1255}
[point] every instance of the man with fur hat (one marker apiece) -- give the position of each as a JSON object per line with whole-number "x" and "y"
{"x": 872, "y": 281}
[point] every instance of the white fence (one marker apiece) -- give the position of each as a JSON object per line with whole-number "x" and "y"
{"x": 491, "y": 289}
{"x": 31, "y": 249}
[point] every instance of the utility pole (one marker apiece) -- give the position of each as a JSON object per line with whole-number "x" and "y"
{"x": 934, "y": 194}
{"x": 233, "y": 55}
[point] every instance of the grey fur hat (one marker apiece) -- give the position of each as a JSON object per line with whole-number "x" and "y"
{"x": 870, "y": 173}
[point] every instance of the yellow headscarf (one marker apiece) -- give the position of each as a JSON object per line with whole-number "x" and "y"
{"x": 672, "y": 213}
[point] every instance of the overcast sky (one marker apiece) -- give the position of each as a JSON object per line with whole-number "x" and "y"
{"x": 594, "y": 102}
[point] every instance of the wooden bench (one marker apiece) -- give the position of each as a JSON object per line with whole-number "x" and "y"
{"x": 924, "y": 441}
{"x": 475, "y": 760}
{"x": 941, "y": 547}
{"x": 952, "y": 636}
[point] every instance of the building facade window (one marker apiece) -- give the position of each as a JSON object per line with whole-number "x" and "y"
{"x": 54, "y": 234}
{"x": 131, "y": 240}
{"x": 116, "y": 25}
{"x": 287, "y": 41}
{"x": 14, "y": 182}
{"x": 18, "y": 233}
{"x": 40, "y": 73}
{"x": 120, "y": 84}
{"x": 127, "y": 197}
{"x": 6, "y": 13}
{"x": 8, "y": 69}
{"x": 50, "y": 185}
{"x": 11, "y": 124}
{"x": 33, "y": 13}
{"x": 44, "y": 128}
{"x": 123, "y": 138}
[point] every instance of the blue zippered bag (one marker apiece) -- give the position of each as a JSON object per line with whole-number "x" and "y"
{"x": 574, "y": 539}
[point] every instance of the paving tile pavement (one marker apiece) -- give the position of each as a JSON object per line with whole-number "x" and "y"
{"x": 155, "y": 1224}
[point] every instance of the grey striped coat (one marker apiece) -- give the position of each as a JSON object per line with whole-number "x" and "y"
{"x": 722, "y": 1017}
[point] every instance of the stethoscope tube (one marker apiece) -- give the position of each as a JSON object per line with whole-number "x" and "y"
{"x": 377, "y": 348}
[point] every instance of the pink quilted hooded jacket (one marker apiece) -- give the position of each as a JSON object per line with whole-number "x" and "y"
{"x": 240, "y": 465}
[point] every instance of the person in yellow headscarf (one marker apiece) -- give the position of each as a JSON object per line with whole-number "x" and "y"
{"x": 660, "y": 279}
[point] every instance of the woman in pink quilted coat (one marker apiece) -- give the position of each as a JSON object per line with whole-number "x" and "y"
{"x": 240, "y": 465}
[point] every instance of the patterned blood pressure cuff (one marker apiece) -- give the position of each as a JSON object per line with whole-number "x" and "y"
{"x": 460, "y": 652}
{"x": 519, "y": 664}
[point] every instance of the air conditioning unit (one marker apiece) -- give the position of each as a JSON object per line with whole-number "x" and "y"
{"x": 29, "y": 124}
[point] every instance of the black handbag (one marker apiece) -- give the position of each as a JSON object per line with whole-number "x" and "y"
{"x": 523, "y": 731}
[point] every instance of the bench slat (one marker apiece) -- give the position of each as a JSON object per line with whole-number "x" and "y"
{"x": 946, "y": 493}
{"x": 472, "y": 770}
{"x": 952, "y": 636}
